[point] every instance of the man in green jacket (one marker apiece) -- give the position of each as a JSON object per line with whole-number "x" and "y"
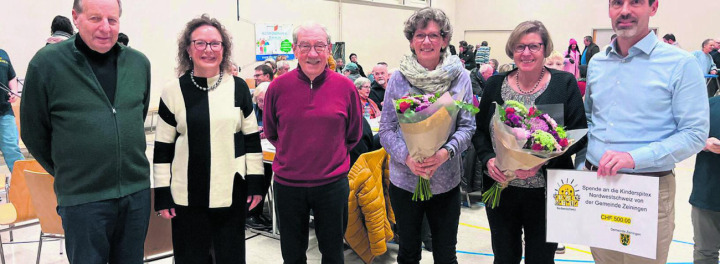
{"x": 83, "y": 111}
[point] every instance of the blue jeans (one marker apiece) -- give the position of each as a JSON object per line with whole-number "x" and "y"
{"x": 9, "y": 140}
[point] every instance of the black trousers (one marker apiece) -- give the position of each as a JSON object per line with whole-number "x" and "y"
{"x": 258, "y": 210}
{"x": 329, "y": 204}
{"x": 199, "y": 232}
{"x": 109, "y": 231}
{"x": 443, "y": 214}
{"x": 520, "y": 209}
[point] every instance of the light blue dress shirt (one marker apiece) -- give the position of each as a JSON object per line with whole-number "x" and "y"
{"x": 705, "y": 61}
{"x": 652, "y": 103}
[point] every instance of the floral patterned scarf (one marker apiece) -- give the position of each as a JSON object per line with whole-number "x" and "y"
{"x": 432, "y": 81}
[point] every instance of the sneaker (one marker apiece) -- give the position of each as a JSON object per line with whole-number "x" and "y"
{"x": 560, "y": 249}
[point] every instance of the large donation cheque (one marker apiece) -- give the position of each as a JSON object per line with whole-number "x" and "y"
{"x": 615, "y": 212}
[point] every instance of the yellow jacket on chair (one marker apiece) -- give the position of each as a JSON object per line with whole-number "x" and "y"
{"x": 369, "y": 211}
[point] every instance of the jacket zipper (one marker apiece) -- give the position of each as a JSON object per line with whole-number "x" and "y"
{"x": 117, "y": 133}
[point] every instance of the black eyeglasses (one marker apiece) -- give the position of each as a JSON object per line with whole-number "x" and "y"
{"x": 202, "y": 45}
{"x": 534, "y": 47}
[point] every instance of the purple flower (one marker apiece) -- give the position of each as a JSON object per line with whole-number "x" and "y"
{"x": 538, "y": 124}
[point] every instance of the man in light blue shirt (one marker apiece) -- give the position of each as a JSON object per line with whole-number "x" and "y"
{"x": 647, "y": 109}
{"x": 707, "y": 65}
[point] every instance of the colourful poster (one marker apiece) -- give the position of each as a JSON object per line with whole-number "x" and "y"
{"x": 272, "y": 40}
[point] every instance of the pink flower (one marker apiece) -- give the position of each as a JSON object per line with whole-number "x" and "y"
{"x": 521, "y": 133}
{"x": 537, "y": 147}
{"x": 531, "y": 111}
{"x": 404, "y": 106}
{"x": 551, "y": 121}
{"x": 564, "y": 142}
{"x": 538, "y": 124}
{"x": 510, "y": 110}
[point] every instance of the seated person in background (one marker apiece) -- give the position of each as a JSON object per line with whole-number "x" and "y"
{"x": 61, "y": 29}
{"x": 363, "y": 86}
{"x": 506, "y": 68}
{"x": 707, "y": 65}
{"x": 123, "y": 39}
{"x": 555, "y": 61}
{"x": 255, "y": 218}
{"x": 283, "y": 67}
{"x": 351, "y": 71}
{"x": 377, "y": 89}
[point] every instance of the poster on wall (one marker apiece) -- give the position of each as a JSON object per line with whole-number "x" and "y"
{"x": 272, "y": 40}
{"x": 617, "y": 213}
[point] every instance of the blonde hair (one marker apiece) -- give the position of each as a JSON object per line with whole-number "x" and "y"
{"x": 554, "y": 55}
{"x": 260, "y": 90}
{"x": 505, "y": 68}
{"x": 527, "y": 27}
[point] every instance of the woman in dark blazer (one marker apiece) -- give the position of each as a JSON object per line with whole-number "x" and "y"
{"x": 522, "y": 207}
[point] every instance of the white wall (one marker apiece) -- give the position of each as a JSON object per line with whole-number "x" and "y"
{"x": 373, "y": 32}
{"x": 691, "y": 21}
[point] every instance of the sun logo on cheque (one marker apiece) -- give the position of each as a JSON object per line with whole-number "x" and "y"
{"x": 566, "y": 195}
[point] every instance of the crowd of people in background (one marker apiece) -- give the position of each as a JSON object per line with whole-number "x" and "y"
{"x": 209, "y": 175}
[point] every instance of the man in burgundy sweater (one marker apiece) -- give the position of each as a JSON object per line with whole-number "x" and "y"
{"x": 313, "y": 117}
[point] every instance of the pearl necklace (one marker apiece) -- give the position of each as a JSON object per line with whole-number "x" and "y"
{"x": 192, "y": 72}
{"x": 517, "y": 82}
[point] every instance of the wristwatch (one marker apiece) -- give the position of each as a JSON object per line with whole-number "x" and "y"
{"x": 450, "y": 151}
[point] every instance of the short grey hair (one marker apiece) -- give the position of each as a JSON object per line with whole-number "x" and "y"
{"x": 422, "y": 17}
{"x": 307, "y": 26}
{"x": 281, "y": 64}
{"x": 77, "y": 6}
{"x": 705, "y": 42}
{"x": 527, "y": 27}
{"x": 360, "y": 81}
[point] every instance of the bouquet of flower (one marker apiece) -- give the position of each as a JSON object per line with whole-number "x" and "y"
{"x": 525, "y": 138}
{"x": 426, "y": 121}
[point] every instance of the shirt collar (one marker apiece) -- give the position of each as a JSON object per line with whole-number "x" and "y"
{"x": 645, "y": 45}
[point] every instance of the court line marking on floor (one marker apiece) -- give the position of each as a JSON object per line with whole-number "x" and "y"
{"x": 474, "y": 226}
{"x": 492, "y": 255}
{"x": 683, "y": 242}
{"x": 579, "y": 250}
{"x": 488, "y": 229}
{"x": 558, "y": 260}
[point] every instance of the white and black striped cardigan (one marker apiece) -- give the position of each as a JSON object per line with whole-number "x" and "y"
{"x": 205, "y": 144}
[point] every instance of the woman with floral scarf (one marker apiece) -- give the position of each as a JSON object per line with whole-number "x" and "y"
{"x": 429, "y": 70}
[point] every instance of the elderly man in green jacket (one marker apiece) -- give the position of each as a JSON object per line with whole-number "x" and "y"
{"x": 83, "y": 111}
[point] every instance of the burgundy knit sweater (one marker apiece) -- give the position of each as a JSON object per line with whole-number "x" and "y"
{"x": 313, "y": 125}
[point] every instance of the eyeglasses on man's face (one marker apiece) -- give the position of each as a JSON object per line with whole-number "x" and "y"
{"x": 534, "y": 47}
{"x": 319, "y": 47}
{"x": 202, "y": 45}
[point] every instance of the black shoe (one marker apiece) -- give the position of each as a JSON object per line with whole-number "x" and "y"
{"x": 266, "y": 220}
{"x": 254, "y": 222}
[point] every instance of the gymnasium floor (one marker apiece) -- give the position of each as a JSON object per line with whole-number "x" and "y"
{"x": 473, "y": 236}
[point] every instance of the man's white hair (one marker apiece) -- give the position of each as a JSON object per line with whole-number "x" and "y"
{"x": 282, "y": 64}
{"x": 307, "y": 26}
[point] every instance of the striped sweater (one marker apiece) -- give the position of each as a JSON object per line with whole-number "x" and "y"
{"x": 205, "y": 144}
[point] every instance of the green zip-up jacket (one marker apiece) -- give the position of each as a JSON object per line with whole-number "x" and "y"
{"x": 94, "y": 148}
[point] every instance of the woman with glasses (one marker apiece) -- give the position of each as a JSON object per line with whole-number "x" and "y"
{"x": 369, "y": 107}
{"x": 522, "y": 210}
{"x": 429, "y": 70}
{"x": 208, "y": 159}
